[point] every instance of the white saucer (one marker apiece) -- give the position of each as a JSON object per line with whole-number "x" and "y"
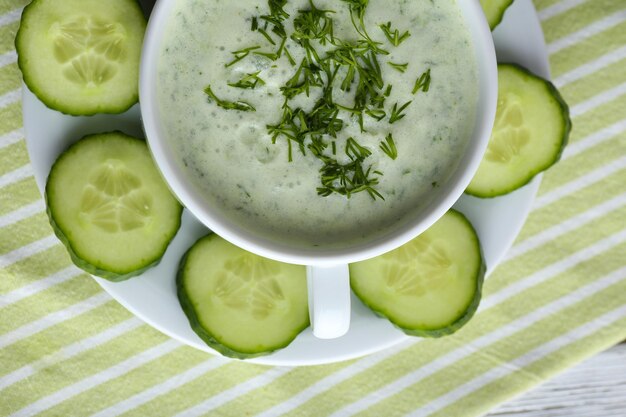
{"x": 152, "y": 296}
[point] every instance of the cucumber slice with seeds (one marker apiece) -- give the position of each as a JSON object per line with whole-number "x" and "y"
{"x": 241, "y": 304}
{"x": 530, "y": 132}
{"x": 81, "y": 57}
{"x": 431, "y": 286}
{"x": 494, "y": 10}
{"x": 109, "y": 205}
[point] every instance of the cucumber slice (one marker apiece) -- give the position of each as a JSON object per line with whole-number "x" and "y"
{"x": 109, "y": 205}
{"x": 530, "y": 132}
{"x": 241, "y": 304}
{"x": 494, "y": 10}
{"x": 81, "y": 57}
{"x": 430, "y": 286}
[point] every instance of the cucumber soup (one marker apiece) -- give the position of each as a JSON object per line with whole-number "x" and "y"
{"x": 318, "y": 122}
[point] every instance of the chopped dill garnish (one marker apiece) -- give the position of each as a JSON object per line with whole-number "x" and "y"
{"x": 422, "y": 82}
{"x": 396, "y": 113}
{"x": 388, "y": 146}
{"x": 351, "y": 177}
{"x": 399, "y": 67}
{"x": 241, "y": 54}
{"x": 394, "y": 36}
{"x": 229, "y": 105}
{"x": 314, "y": 24}
{"x": 248, "y": 81}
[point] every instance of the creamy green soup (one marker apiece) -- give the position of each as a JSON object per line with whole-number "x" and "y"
{"x": 270, "y": 184}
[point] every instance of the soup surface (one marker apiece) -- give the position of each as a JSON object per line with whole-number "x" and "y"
{"x": 285, "y": 143}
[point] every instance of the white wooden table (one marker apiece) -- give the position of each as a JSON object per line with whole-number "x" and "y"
{"x": 595, "y": 388}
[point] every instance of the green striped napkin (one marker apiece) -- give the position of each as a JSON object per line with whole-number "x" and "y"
{"x": 68, "y": 349}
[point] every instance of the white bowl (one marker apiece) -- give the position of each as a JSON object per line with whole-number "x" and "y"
{"x": 419, "y": 221}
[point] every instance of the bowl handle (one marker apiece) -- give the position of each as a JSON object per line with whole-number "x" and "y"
{"x": 329, "y": 300}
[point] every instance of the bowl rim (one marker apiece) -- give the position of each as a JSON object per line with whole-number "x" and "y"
{"x": 187, "y": 194}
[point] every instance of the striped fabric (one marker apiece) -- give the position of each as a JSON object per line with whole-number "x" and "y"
{"x": 68, "y": 349}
